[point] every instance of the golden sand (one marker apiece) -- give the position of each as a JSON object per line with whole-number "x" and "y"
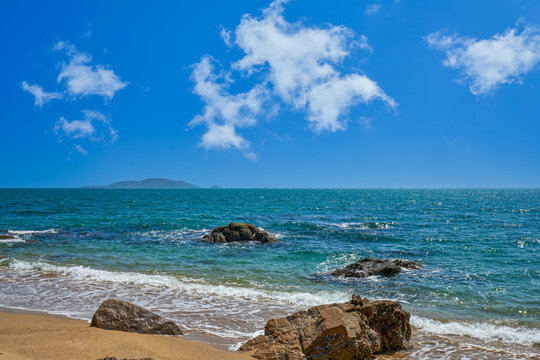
{"x": 43, "y": 337}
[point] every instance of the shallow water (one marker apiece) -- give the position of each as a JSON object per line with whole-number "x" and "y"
{"x": 478, "y": 292}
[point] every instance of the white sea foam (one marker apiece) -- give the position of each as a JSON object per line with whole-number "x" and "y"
{"x": 364, "y": 225}
{"x": 479, "y": 330}
{"x": 32, "y": 232}
{"x": 12, "y": 240}
{"x": 83, "y": 273}
{"x": 200, "y": 297}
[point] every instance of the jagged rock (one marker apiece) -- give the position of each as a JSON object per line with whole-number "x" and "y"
{"x": 125, "y": 316}
{"x": 372, "y": 266}
{"x": 239, "y": 232}
{"x": 354, "y": 330}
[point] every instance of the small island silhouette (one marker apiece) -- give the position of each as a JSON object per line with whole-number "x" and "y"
{"x": 150, "y": 183}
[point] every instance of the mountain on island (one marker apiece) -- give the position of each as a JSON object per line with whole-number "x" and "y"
{"x": 152, "y": 183}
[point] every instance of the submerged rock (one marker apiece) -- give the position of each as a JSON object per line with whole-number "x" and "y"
{"x": 354, "y": 330}
{"x": 7, "y": 237}
{"x": 371, "y": 266}
{"x": 235, "y": 232}
{"x": 125, "y": 316}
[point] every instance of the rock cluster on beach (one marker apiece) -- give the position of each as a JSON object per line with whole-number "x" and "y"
{"x": 371, "y": 266}
{"x": 357, "y": 329}
{"x": 239, "y": 232}
{"x": 125, "y": 316}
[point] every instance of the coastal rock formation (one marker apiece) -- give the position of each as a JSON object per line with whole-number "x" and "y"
{"x": 354, "y": 330}
{"x": 125, "y": 316}
{"x": 371, "y": 266}
{"x": 235, "y": 232}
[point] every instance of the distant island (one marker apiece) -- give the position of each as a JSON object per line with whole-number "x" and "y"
{"x": 151, "y": 183}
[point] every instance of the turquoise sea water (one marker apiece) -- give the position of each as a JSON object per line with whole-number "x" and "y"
{"x": 480, "y": 251}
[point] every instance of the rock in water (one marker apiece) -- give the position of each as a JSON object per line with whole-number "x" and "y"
{"x": 354, "y": 330}
{"x": 371, "y": 266}
{"x": 235, "y": 232}
{"x": 125, "y": 316}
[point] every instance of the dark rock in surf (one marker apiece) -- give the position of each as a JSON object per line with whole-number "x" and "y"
{"x": 239, "y": 232}
{"x": 371, "y": 266}
{"x": 357, "y": 329}
{"x": 125, "y": 316}
{"x": 7, "y": 237}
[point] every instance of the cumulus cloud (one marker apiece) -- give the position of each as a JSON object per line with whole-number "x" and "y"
{"x": 487, "y": 63}
{"x": 82, "y": 78}
{"x": 41, "y": 97}
{"x": 94, "y": 126}
{"x": 224, "y": 112}
{"x": 297, "y": 64}
{"x": 373, "y": 9}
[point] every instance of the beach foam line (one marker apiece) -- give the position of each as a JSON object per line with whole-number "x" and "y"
{"x": 83, "y": 273}
{"x": 480, "y": 330}
{"x": 32, "y": 232}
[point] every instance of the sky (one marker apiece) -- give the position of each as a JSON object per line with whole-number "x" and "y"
{"x": 348, "y": 93}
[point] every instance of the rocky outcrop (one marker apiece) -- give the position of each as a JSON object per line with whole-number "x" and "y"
{"x": 354, "y": 330}
{"x": 125, "y": 316}
{"x": 371, "y": 266}
{"x": 7, "y": 237}
{"x": 235, "y": 232}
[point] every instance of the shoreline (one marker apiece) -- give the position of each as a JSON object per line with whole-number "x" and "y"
{"x": 36, "y": 335}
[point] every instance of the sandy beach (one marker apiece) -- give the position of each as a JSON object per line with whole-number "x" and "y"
{"x": 33, "y": 336}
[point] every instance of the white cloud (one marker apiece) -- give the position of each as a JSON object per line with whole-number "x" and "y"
{"x": 329, "y": 101}
{"x": 41, "y": 97}
{"x": 75, "y": 129}
{"x": 301, "y": 62}
{"x": 372, "y": 9}
{"x": 82, "y": 78}
{"x": 225, "y": 36}
{"x": 94, "y": 126}
{"x": 80, "y": 149}
{"x": 223, "y": 111}
{"x": 297, "y": 64}
{"x": 487, "y": 63}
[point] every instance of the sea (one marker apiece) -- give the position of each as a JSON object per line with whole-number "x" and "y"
{"x": 64, "y": 251}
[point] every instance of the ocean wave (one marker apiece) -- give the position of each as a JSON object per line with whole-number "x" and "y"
{"x": 14, "y": 239}
{"x": 83, "y": 273}
{"x": 32, "y": 232}
{"x": 479, "y": 330}
{"x": 364, "y": 225}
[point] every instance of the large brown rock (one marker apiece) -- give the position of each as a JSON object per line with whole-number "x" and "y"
{"x": 125, "y": 316}
{"x": 235, "y": 232}
{"x": 371, "y": 266}
{"x": 354, "y": 330}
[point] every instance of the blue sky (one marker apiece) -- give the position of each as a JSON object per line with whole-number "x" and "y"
{"x": 259, "y": 94}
